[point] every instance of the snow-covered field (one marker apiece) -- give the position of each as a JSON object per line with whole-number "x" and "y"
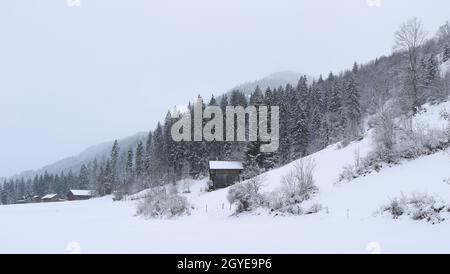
{"x": 347, "y": 226}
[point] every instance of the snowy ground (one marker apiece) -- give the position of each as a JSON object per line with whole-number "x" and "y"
{"x": 348, "y": 226}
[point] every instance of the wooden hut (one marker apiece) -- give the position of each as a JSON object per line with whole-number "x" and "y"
{"x": 77, "y": 195}
{"x": 224, "y": 173}
{"x": 50, "y": 198}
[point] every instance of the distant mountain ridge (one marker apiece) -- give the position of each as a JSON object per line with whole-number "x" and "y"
{"x": 74, "y": 163}
{"x": 274, "y": 80}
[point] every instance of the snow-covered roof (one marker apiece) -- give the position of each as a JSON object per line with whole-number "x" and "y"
{"x": 78, "y": 192}
{"x": 225, "y": 165}
{"x": 49, "y": 196}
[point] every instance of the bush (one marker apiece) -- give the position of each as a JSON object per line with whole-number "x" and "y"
{"x": 298, "y": 186}
{"x": 315, "y": 208}
{"x": 246, "y": 195}
{"x": 394, "y": 144}
{"x": 160, "y": 203}
{"x": 418, "y": 207}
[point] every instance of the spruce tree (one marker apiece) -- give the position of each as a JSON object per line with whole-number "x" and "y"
{"x": 353, "y": 108}
{"x": 84, "y": 177}
{"x": 298, "y": 120}
{"x": 214, "y": 148}
{"x": 129, "y": 171}
{"x": 114, "y": 161}
{"x": 226, "y": 147}
{"x": 139, "y": 160}
{"x": 148, "y": 154}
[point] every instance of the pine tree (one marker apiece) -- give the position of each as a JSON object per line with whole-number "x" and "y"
{"x": 335, "y": 110}
{"x": 353, "y": 108}
{"x": 93, "y": 174}
{"x": 139, "y": 160}
{"x": 285, "y": 135}
{"x": 271, "y": 159}
{"x": 298, "y": 120}
{"x": 84, "y": 177}
{"x": 254, "y": 160}
{"x": 214, "y": 148}
{"x": 114, "y": 160}
{"x": 159, "y": 160}
{"x": 148, "y": 154}
{"x": 226, "y": 148}
{"x": 238, "y": 98}
{"x": 129, "y": 171}
{"x": 355, "y": 68}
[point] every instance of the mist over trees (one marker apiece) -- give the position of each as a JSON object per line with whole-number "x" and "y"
{"x": 313, "y": 115}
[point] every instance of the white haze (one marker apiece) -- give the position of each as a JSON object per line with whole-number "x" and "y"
{"x": 71, "y": 77}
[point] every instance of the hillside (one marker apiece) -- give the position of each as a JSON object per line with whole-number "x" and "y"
{"x": 348, "y": 224}
{"x": 74, "y": 163}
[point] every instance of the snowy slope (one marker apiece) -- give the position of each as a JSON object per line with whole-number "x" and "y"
{"x": 348, "y": 226}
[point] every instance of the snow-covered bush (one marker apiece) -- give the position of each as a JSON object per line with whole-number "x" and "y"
{"x": 161, "y": 203}
{"x": 247, "y": 196}
{"x": 315, "y": 208}
{"x": 393, "y": 143}
{"x": 354, "y": 170}
{"x": 417, "y": 207}
{"x": 298, "y": 186}
{"x": 446, "y": 116}
{"x": 420, "y": 141}
{"x": 384, "y": 135}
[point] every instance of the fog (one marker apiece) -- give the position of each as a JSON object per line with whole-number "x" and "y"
{"x": 72, "y": 76}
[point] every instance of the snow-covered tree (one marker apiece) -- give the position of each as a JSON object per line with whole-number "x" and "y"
{"x": 353, "y": 108}
{"x": 84, "y": 177}
{"x": 409, "y": 38}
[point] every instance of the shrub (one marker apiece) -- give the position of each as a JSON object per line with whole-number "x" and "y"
{"x": 247, "y": 195}
{"x": 298, "y": 186}
{"x": 315, "y": 208}
{"x": 393, "y": 144}
{"x": 418, "y": 207}
{"x": 160, "y": 203}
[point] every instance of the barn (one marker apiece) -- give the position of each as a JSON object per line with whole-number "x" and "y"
{"x": 224, "y": 173}
{"x": 50, "y": 198}
{"x": 77, "y": 195}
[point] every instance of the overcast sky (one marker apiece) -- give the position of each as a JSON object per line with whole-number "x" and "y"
{"x": 74, "y": 76}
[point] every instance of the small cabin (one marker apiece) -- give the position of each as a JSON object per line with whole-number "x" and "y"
{"x": 78, "y": 195}
{"x": 50, "y": 198}
{"x": 224, "y": 173}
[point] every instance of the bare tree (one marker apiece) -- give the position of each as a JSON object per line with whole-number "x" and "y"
{"x": 409, "y": 38}
{"x": 444, "y": 32}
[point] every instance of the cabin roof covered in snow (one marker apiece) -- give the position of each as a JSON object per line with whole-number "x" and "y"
{"x": 49, "y": 196}
{"x": 79, "y": 192}
{"x": 225, "y": 165}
